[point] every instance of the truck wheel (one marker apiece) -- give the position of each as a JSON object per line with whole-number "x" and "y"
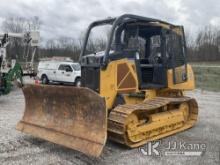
{"x": 78, "y": 82}
{"x": 45, "y": 79}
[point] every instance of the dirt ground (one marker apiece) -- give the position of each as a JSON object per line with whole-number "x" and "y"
{"x": 18, "y": 148}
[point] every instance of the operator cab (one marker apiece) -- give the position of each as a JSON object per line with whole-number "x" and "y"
{"x": 154, "y": 49}
{"x": 153, "y": 46}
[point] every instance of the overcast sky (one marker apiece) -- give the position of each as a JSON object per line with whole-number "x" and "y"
{"x": 71, "y": 17}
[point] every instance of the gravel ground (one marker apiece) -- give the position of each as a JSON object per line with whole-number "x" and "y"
{"x": 18, "y": 148}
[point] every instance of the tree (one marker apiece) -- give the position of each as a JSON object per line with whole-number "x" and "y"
{"x": 206, "y": 46}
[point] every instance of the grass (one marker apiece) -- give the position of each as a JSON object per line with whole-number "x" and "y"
{"x": 215, "y": 63}
{"x": 207, "y": 78}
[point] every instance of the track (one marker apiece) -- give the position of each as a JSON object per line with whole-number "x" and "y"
{"x": 137, "y": 131}
{"x": 17, "y": 148}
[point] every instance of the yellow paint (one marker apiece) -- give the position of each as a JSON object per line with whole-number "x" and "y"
{"x": 150, "y": 94}
{"x": 133, "y": 100}
{"x": 108, "y": 85}
{"x": 158, "y": 124}
{"x": 188, "y": 85}
{"x": 178, "y": 30}
{"x": 108, "y": 81}
{"x": 175, "y": 29}
{"x": 109, "y": 88}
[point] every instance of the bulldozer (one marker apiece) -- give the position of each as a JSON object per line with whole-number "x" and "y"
{"x": 132, "y": 92}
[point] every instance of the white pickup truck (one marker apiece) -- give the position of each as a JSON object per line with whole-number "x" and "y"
{"x": 59, "y": 71}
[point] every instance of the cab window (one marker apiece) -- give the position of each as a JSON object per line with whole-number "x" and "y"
{"x": 61, "y": 67}
{"x": 175, "y": 52}
{"x": 76, "y": 67}
{"x": 65, "y": 68}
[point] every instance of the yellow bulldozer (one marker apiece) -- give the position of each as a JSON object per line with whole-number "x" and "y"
{"x": 132, "y": 92}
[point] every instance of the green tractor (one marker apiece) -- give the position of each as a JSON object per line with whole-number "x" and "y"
{"x": 6, "y": 79}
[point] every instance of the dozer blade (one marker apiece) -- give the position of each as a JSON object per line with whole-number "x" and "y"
{"x": 73, "y": 117}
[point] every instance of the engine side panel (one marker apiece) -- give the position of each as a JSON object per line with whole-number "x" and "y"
{"x": 124, "y": 81}
{"x": 189, "y": 84}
